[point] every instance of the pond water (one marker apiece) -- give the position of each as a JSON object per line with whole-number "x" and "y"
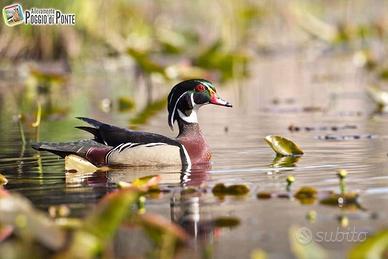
{"x": 326, "y": 93}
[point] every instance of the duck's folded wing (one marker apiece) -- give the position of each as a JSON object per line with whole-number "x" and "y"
{"x": 114, "y": 136}
{"x": 137, "y": 147}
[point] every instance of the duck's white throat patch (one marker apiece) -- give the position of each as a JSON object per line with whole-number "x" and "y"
{"x": 192, "y": 118}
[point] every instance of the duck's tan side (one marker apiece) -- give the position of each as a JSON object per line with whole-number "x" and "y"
{"x": 143, "y": 155}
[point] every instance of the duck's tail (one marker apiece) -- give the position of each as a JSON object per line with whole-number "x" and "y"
{"x": 79, "y": 148}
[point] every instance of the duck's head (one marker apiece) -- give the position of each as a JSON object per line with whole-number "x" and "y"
{"x": 186, "y": 97}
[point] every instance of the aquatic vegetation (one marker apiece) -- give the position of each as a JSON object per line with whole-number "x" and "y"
{"x": 19, "y": 119}
{"x": 75, "y": 163}
{"x": 236, "y": 190}
{"x": 150, "y": 110}
{"x": 379, "y": 96}
{"x": 290, "y": 180}
{"x": 93, "y": 234}
{"x": 283, "y": 146}
{"x": 3, "y": 180}
{"x": 229, "y": 222}
{"x": 36, "y": 124}
{"x": 306, "y": 195}
{"x": 342, "y": 173}
{"x": 225, "y": 62}
{"x": 285, "y": 161}
{"x": 264, "y": 195}
{"x": 346, "y": 200}
{"x": 311, "y": 215}
{"x": 125, "y": 104}
{"x": 374, "y": 247}
{"x": 343, "y": 198}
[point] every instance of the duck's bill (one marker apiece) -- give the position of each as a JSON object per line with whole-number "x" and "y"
{"x": 218, "y": 101}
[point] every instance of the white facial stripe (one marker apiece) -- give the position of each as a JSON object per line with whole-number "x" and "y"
{"x": 192, "y": 100}
{"x": 173, "y": 111}
{"x": 192, "y": 118}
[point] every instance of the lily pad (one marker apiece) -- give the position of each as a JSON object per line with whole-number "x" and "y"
{"x": 79, "y": 164}
{"x": 264, "y": 195}
{"x": 341, "y": 200}
{"x": 283, "y": 146}
{"x": 306, "y": 195}
{"x": 236, "y": 189}
{"x": 224, "y": 222}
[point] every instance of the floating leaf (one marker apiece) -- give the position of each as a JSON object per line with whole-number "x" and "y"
{"x": 236, "y": 189}
{"x": 379, "y": 96}
{"x": 264, "y": 195}
{"x": 306, "y": 192}
{"x": 285, "y": 161}
{"x": 374, "y": 247}
{"x": 283, "y": 146}
{"x": 229, "y": 222}
{"x": 348, "y": 199}
{"x": 3, "y": 180}
{"x": 306, "y": 195}
{"x": 79, "y": 164}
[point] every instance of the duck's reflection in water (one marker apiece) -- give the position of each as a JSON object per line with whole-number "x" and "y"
{"x": 186, "y": 190}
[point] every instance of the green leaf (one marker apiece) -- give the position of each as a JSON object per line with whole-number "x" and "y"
{"x": 306, "y": 195}
{"x": 285, "y": 161}
{"x": 3, "y": 180}
{"x": 236, "y": 189}
{"x": 223, "y": 222}
{"x": 101, "y": 225}
{"x": 374, "y": 247}
{"x": 283, "y": 146}
{"x": 125, "y": 103}
{"x": 379, "y": 96}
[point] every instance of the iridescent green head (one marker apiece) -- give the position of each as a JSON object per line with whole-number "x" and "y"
{"x": 186, "y": 97}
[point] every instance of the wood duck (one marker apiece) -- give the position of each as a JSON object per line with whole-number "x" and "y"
{"x": 123, "y": 147}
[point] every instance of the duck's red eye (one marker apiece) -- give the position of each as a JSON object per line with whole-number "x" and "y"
{"x": 199, "y": 88}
